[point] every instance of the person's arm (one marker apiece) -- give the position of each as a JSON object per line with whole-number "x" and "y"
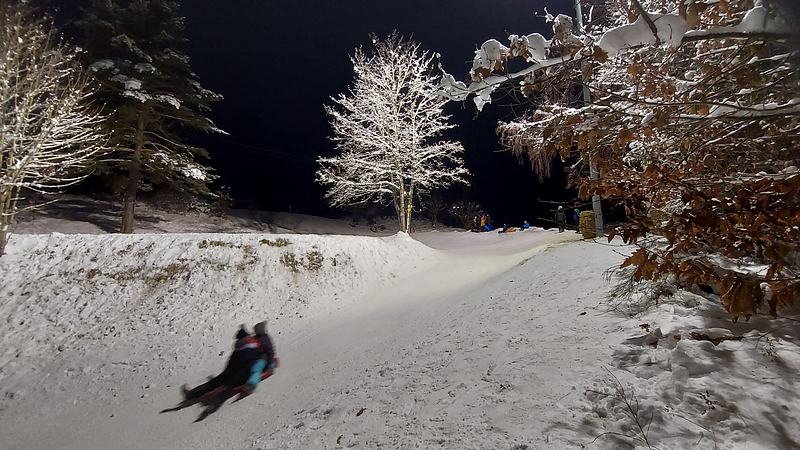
{"x": 270, "y": 351}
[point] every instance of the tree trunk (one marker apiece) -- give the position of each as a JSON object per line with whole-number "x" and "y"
{"x": 409, "y": 208}
{"x": 134, "y": 174}
{"x": 6, "y": 217}
{"x": 3, "y": 239}
{"x": 402, "y": 209}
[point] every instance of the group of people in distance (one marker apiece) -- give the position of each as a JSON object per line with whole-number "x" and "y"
{"x": 482, "y": 222}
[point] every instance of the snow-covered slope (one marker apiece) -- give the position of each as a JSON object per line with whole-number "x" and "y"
{"x": 493, "y": 341}
{"x": 157, "y": 299}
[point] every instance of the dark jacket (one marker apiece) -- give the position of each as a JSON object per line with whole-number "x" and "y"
{"x": 560, "y": 217}
{"x": 246, "y": 351}
{"x": 266, "y": 349}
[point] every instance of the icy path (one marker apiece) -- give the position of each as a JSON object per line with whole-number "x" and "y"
{"x": 479, "y": 351}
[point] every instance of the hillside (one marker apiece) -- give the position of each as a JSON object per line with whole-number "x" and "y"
{"x": 466, "y": 341}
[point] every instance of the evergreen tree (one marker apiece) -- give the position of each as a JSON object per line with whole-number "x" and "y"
{"x": 133, "y": 49}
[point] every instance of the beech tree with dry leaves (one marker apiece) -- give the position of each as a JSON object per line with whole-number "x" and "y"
{"x": 691, "y": 114}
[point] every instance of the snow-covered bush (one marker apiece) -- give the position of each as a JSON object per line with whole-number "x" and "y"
{"x": 691, "y": 113}
{"x": 388, "y": 129}
{"x": 49, "y": 131}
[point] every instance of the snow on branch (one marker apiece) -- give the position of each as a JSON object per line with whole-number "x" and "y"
{"x": 49, "y": 132}
{"x": 489, "y": 69}
{"x": 388, "y": 131}
{"x": 690, "y": 114}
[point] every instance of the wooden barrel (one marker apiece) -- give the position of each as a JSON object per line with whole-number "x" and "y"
{"x": 587, "y": 225}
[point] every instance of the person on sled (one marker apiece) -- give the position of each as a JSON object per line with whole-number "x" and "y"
{"x": 266, "y": 360}
{"x": 246, "y": 352}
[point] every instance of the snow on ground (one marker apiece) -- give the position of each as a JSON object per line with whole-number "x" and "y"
{"x": 469, "y": 341}
{"x": 81, "y": 215}
{"x": 701, "y": 381}
{"x": 72, "y": 293}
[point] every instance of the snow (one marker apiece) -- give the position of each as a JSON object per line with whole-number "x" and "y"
{"x": 147, "y": 271}
{"x": 76, "y": 215}
{"x": 756, "y": 20}
{"x": 670, "y": 27}
{"x": 137, "y": 95}
{"x": 133, "y": 84}
{"x": 534, "y": 44}
{"x": 491, "y": 52}
{"x": 194, "y": 172}
{"x": 170, "y": 100}
{"x": 102, "y": 64}
{"x": 734, "y": 393}
{"x": 144, "y": 68}
{"x": 562, "y": 23}
{"x": 449, "y": 339}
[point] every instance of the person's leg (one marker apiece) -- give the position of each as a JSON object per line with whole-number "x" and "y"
{"x": 255, "y": 374}
{"x": 207, "y": 387}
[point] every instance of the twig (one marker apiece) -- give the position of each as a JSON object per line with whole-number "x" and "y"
{"x": 647, "y": 19}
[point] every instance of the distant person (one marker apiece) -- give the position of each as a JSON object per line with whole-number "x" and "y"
{"x": 577, "y": 215}
{"x": 561, "y": 219}
{"x": 525, "y": 225}
{"x": 266, "y": 360}
{"x": 508, "y": 229}
{"x": 237, "y": 371}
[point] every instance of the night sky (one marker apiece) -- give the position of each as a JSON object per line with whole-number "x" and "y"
{"x": 277, "y": 62}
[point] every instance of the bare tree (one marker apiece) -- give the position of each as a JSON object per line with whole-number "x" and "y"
{"x": 387, "y": 129}
{"x": 49, "y": 132}
{"x": 467, "y": 212}
{"x": 435, "y": 204}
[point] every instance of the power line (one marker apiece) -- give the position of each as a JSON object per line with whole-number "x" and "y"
{"x": 263, "y": 151}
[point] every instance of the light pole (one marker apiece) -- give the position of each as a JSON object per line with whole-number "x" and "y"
{"x": 587, "y": 99}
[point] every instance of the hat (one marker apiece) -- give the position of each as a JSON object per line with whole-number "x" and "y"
{"x": 242, "y": 333}
{"x": 260, "y": 328}
{"x": 560, "y": 207}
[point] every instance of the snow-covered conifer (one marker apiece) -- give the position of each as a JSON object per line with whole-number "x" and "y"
{"x": 134, "y": 50}
{"x": 49, "y": 132}
{"x": 388, "y": 131}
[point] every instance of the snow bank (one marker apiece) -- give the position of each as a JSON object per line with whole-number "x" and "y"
{"x": 697, "y": 380}
{"x": 80, "y": 303}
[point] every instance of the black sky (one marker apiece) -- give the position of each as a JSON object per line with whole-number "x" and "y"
{"x": 278, "y": 61}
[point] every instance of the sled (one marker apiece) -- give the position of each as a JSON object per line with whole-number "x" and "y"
{"x": 214, "y": 395}
{"x": 214, "y": 399}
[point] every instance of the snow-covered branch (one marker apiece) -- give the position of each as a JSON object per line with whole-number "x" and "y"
{"x": 690, "y": 114}
{"x": 49, "y": 132}
{"x": 387, "y": 128}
